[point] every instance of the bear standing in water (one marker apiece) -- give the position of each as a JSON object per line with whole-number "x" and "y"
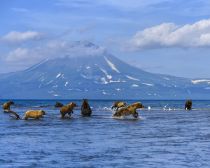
{"x": 35, "y": 114}
{"x": 129, "y": 110}
{"x": 67, "y": 109}
{"x": 188, "y": 105}
{"x": 85, "y": 109}
{"x": 6, "y": 106}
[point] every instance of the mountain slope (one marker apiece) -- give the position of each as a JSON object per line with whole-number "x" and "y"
{"x": 98, "y": 77}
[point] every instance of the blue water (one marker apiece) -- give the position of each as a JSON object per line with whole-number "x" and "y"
{"x": 165, "y": 136}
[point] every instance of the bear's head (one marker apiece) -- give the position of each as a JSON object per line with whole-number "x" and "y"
{"x": 43, "y": 112}
{"x": 11, "y": 102}
{"x": 188, "y": 105}
{"x": 138, "y": 105}
{"x": 72, "y": 104}
{"x": 85, "y": 103}
{"x": 121, "y": 104}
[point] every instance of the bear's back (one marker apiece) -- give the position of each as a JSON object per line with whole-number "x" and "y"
{"x": 33, "y": 113}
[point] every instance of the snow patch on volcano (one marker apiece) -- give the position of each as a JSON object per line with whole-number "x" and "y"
{"x": 112, "y": 66}
{"x": 132, "y": 78}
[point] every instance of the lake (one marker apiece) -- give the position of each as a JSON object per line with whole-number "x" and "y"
{"x": 164, "y": 136}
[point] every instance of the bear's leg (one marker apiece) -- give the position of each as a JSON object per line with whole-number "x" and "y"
{"x": 62, "y": 115}
{"x": 117, "y": 114}
{"x": 69, "y": 114}
{"x": 135, "y": 115}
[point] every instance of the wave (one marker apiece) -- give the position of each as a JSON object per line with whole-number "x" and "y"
{"x": 33, "y": 106}
{"x": 127, "y": 118}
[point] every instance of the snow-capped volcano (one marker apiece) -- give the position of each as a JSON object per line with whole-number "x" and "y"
{"x": 96, "y": 76}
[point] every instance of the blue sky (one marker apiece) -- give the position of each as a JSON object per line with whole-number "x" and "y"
{"x": 161, "y": 36}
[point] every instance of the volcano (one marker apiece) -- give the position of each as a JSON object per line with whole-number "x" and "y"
{"x": 99, "y": 76}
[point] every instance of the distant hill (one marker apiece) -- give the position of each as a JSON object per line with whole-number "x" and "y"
{"x": 101, "y": 76}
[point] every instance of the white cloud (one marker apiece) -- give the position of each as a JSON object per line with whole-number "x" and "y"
{"x": 18, "y": 54}
{"x": 59, "y": 48}
{"x": 24, "y": 56}
{"x": 53, "y": 49}
{"x": 171, "y": 35}
{"x": 15, "y": 36}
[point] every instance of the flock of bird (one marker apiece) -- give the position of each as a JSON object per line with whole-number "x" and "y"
{"x": 120, "y": 108}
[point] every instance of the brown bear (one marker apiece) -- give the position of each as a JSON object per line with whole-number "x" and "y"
{"x": 6, "y": 106}
{"x": 118, "y": 104}
{"x": 36, "y": 114}
{"x": 85, "y": 109}
{"x": 58, "y": 104}
{"x": 188, "y": 105}
{"x": 67, "y": 109}
{"x": 129, "y": 110}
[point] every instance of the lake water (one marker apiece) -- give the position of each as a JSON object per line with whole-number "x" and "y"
{"x": 165, "y": 136}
